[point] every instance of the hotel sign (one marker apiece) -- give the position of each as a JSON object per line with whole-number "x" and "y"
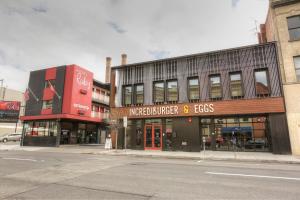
{"x": 170, "y": 110}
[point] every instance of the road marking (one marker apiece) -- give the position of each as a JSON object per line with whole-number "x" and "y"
{"x": 253, "y": 175}
{"x": 23, "y": 159}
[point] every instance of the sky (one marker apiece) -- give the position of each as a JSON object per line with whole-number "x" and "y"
{"x": 37, "y": 34}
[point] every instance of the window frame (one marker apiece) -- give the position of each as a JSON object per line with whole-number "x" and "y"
{"x": 123, "y": 95}
{"x": 135, "y": 94}
{"x": 242, "y": 85}
{"x": 154, "y": 93}
{"x": 268, "y": 82}
{"x": 296, "y": 68}
{"x": 167, "y": 90}
{"x": 288, "y": 28}
{"x": 46, "y": 108}
{"x": 209, "y": 77}
{"x": 188, "y": 88}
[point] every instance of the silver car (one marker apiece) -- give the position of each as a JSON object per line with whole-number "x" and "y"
{"x": 11, "y": 137}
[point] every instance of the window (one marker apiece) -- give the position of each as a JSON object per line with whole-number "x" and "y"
{"x": 47, "y": 104}
{"x": 172, "y": 92}
{"x": 159, "y": 92}
{"x": 236, "y": 85}
{"x": 261, "y": 82}
{"x": 215, "y": 87}
{"x": 297, "y": 67}
{"x": 48, "y": 83}
{"x": 127, "y": 95}
{"x": 294, "y": 27}
{"x": 139, "y": 94}
{"x": 193, "y": 89}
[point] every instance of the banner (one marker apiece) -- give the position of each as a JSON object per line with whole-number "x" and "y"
{"x": 9, "y": 111}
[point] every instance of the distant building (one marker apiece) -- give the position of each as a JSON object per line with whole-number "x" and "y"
{"x": 9, "y": 117}
{"x": 65, "y": 106}
{"x": 283, "y": 26}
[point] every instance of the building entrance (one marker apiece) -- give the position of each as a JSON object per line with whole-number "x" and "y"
{"x": 153, "y": 137}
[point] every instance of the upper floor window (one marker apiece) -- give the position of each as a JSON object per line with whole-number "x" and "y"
{"x": 139, "y": 94}
{"x": 47, "y": 104}
{"x": 261, "y": 82}
{"x": 294, "y": 27}
{"x": 193, "y": 88}
{"x": 236, "y": 85}
{"x": 158, "y": 92}
{"x": 297, "y": 67}
{"x": 127, "y": 95}
{"x": 48, "y": 83}
{"x": 215, "y": 87}
{"x": 172, "y": 90}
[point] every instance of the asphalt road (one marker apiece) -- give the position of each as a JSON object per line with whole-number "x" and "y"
{"x": 40, "y": 175}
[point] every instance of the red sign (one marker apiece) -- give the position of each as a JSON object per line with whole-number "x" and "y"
{"x": 75, "y": 101}
{"x": 9, "y": 111}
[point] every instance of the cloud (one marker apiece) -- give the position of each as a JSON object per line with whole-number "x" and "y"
{"x": 116, "y": 27}
{"x": 234, "y": 3}
{"x": 46, "y": 33}
{"x": 156, "y": 54}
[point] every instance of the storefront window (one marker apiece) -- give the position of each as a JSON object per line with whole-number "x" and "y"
{"x": 169, "y": 134}
{"x": 193, "y": 89}
{"x": 172, "y": 92}
{"x": 261, "y": 82}
{"x": 159, "y": 92}
{"x": 41, "y": 128}
{"x": 215, "y": 87}
{"x": 127, "y": 95}
{"x": 236, "y": 85}
{"x": 139, "y": 94}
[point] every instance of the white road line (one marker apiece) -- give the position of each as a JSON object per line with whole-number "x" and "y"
{"x": 23, "y": 159}
{"x": 252, "y": 175}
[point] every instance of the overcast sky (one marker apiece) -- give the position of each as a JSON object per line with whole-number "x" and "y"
{"x": 38, "y": 34}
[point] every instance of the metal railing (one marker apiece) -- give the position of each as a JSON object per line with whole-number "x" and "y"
{"x": 100, "y": 98}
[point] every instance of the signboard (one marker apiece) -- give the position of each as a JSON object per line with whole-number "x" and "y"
{"x": 9, "y": 111}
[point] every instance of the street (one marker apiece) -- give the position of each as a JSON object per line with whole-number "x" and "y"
{"x": 44, "y": 175}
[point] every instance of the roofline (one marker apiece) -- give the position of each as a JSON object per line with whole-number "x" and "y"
{"x": 281, "y": 3}
{"x": 193, "y": 55}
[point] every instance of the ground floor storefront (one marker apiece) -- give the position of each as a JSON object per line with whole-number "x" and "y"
{"x": 227, "y": 133}
{"x": 62, "y": 132}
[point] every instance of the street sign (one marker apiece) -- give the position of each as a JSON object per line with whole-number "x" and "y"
{"x": 125, "y": 121}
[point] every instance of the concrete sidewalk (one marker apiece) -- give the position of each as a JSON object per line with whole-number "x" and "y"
{"x": 207, "y": 155}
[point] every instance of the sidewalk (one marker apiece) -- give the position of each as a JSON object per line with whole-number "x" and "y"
{"x": 208, "y": 155}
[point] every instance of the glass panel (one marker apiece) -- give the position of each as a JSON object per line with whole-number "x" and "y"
{"x": 159, "y": 92}
{"x": 236, "y": 85}
{"x": 148, "y": 136}
{"x": 139, "y": 92}
{"x": 215, "y": 87}
{"x": 205, "y": 121}
{"x": 261, "y": 83}
{"x": 293, "y": 22}
{"x": 127, "y": 95}
{"x": 157, "y": 136}
{"x": 193, "y": 89}
{"x": 169, "y": 134}
{"x": 294, "y": 34}
{"x": 47, "y": 104}
{"x": 297, "y": 67}
{"x": 172, "y": 91}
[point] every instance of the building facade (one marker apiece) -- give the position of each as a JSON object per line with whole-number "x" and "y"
{"x": 11, "y": 107}
{"x": 65, "y": 106}
{"x": 283, "y": 26}
{"x": 223, "y": 100}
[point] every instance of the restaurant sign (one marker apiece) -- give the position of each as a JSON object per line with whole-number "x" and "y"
{"x": 170, "y": 110}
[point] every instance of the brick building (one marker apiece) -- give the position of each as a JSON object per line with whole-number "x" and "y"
{"x": 283, "y": 26}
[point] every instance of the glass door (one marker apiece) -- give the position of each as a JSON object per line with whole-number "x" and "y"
{"x": 153, "y": 137}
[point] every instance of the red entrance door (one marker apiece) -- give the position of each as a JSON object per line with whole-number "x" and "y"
{"x": 153, "y": 137}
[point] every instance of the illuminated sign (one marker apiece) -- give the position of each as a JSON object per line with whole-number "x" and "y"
{"x": 9, "y": 111}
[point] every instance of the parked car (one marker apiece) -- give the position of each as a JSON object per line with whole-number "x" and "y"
{"x": 11, "y": 137}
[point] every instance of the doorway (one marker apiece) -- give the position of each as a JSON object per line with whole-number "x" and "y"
{"x": 153, "y": 137}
